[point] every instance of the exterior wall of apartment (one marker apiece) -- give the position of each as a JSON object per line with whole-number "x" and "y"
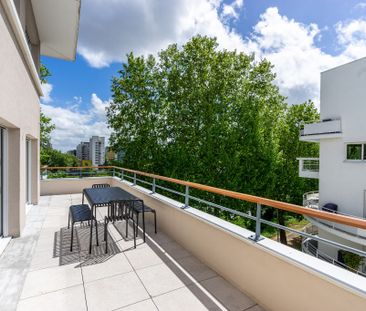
{"x": 343, "y": 94}
{"x": 19, "y": 114}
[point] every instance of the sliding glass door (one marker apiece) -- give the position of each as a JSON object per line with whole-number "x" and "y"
{"x": 28, "y": 172}
{"x": 1, "y": 182}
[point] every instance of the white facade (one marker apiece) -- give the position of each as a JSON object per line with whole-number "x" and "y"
{"x": 27, "y": 30}
{"x": 97, "y": 150}
{"x": 342, "y": 174}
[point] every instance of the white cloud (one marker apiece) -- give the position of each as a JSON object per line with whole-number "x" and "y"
{"x": 108, "y": 31}
{"x": 291, "y": 47}
{"x": 46, "y": 89}
{"x": 73, "y": 126}
{"x": 232, "y": 10}
{"x": 360, "y": 5}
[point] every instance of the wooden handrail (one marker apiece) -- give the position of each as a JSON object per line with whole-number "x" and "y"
{"x": 341, "y": 219}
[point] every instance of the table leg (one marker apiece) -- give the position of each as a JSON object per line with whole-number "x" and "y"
{"x": 91, "y": 230}
{"x": 82, "y": 198}
{"x": 143, "y": 220}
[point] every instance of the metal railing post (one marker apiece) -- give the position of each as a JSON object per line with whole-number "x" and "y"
{"x": 122, "y": 174}
{"x": 154, "y": 185}
{"x": 81, "y": 173}
{"x": 113, "y": 172}
{"x": 134, "y": 179}
{"x": 186, "y": 198}
{"x": 257, "y": 236}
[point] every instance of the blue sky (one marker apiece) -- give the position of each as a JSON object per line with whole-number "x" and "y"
{"x": 301, "y": 39}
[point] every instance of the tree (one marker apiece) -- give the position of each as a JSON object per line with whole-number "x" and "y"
{"x": 206, "y": 115}
{"x": 44, "y": 73}
{"x": 48, "y": 155}
{"x": 290, "y": 187}
{"x": 46, "y": 128}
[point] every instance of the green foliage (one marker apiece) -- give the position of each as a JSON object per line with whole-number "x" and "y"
{"x": 350, "y": 259}
{"x": 44, "y": 73}
{"x": 52, "y": 157}
{"x": 46, "y": 127}
{"x": 211, "y": 116}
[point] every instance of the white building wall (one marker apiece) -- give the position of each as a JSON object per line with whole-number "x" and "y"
{"x": 19, "y": 114}
{"x": 343, "y": 95}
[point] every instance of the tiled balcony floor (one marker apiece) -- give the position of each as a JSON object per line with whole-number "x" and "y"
{"x": 157, "y": 275}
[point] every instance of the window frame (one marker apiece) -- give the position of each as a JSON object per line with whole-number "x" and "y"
{"x": 363, "y": 151}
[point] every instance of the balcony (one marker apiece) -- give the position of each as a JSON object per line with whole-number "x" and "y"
{"x": 197, "y": 261}
{"x": 326, "y": 129}
{"x": 309, "y": 167}
{"x": 356, "y": 235}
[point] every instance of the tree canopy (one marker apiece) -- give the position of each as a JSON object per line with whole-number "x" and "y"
{"x": 212, "y": 116}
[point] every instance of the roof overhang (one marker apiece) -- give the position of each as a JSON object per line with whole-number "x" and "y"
{"x": 58, "y": 27}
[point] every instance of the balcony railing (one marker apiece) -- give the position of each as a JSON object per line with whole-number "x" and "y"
{"x": 308, "y": 167}
{"x": 309, "y": 247}
{"x": 160, "y": 184}
{"x": 325, "y": 129}
{"x": 311, "y": 200}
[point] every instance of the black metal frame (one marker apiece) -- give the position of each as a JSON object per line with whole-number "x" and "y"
{"x": 80, "y": 209}
{"x": 98, "y": 186}
{"x": 119, "y": 211}
{"x": 93, "y": 205}
{"x": 146, "y": 209}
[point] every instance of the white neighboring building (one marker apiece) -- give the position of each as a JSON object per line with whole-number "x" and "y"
{"x": 97, "y": 150}
{"x": 341, "y": 168}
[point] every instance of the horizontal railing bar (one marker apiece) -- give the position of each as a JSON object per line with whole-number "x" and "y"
{"x": 314, "y": 237}
{"x": 74, "y": 167}
{"x": 170, "y": 190}
{"x": 144, "y": 181}
{"x": 345, "y": 220}
{"x": 224, "y": 208}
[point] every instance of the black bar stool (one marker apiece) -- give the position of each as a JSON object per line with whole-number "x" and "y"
{"x": 80, "y": 213}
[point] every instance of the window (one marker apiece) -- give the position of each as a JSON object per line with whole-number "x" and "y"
{"x": 356, "y": 152}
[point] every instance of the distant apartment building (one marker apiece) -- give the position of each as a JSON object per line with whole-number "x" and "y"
{"x": 28, "y": 29}
{"x": 82, "y": 151}
{"x": 97, "y": 150}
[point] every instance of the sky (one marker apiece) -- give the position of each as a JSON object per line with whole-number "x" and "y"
{"x": 300, "y": 38}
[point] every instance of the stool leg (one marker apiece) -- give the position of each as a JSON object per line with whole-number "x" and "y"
{"x": 68, "y": 221}
{"x": 155, "y": 221}
{"x": 72, "y": 236}
{"x": 96, "y": 231}
{"x": 137, "y": 223}
{"x": 106, "y": 235}
{"x": 134, "y": 236}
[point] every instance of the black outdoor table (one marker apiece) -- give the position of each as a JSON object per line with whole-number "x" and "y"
{"x": 98, "y": 197}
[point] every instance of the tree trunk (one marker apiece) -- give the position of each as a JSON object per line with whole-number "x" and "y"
{"x": 281, "y": 221}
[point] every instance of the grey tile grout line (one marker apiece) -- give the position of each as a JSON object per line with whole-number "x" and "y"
{"x": 131, "y": 304}
{"x": 134, "y": 270}
{"x": 27, "y": 270}
{"x": 84, "y": 290}
{"x": 51, "y": 292}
